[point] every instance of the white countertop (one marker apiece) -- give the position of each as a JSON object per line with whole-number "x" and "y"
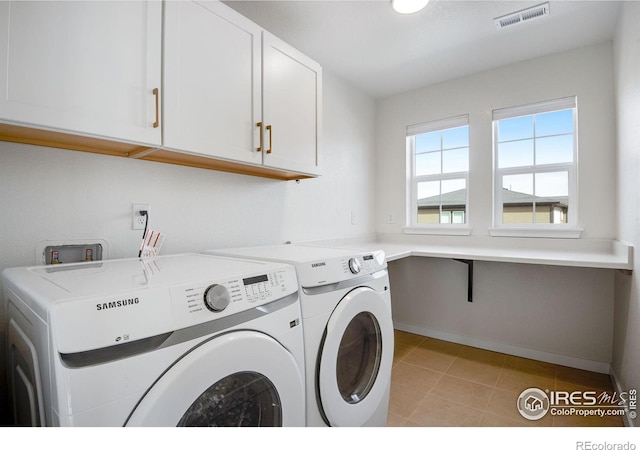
{"x": 596, "y": 253}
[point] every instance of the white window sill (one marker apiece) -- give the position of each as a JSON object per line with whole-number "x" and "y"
{"x": 537, "y": 232}
{"x": 450, "y": 230}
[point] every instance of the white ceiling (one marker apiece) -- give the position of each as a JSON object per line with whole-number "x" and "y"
{"x": 384, "y": 53}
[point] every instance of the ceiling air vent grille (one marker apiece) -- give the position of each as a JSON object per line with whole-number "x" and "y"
{"x": 525, "y": 15}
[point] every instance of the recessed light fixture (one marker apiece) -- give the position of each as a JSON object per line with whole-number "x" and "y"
{"x": 408, "y": 6}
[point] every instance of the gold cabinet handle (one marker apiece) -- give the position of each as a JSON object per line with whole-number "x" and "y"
{"x": 156, "y": 94}
{"x": 270, "y": 136}
{"x": 259, "y": 125}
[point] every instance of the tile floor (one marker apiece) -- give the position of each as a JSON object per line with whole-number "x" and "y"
{"x": 438, "y": 383}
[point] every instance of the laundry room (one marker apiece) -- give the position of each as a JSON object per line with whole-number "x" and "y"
{"x": 486, "y": 289}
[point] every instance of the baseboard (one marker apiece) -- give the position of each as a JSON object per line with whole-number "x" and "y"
{"x": 563, "y": 360}
{"x": 617, "y": 386}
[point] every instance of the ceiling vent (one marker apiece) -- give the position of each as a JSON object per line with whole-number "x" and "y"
{"x": 519, "y": 17}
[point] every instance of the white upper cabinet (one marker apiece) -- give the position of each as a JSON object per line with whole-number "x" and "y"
{"x": 83, "y": 67}
{"x": 181, "y": 82}
{"x": 212, "y": 97}
{"x": 292, "y": 110}
{"x": 233, "y": 91}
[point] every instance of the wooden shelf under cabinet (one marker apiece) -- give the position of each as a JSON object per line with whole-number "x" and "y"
{"x": 205, "y": 162}
{"x": 55, "y": 139}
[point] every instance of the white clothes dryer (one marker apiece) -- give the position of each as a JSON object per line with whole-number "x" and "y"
{"x": 182, "y": 340}
{"x": 346, "y": 313}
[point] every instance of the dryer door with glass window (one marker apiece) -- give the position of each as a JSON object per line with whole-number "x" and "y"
{"x": 242, "y": 378}
{"x": 355, "y": 358}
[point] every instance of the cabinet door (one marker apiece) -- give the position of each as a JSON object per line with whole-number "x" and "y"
{"x": 212, "y": 81}
{"x": 292, "y": 95}
{"x": 85, "y": 67}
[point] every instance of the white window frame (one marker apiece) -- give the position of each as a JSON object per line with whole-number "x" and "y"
{"x": 413, "y": 227}
{"x": 568, "y": 230}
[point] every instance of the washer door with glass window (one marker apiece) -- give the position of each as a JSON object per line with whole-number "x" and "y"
{"x": 355, "y": 359}
{"x": 241, "y": 378}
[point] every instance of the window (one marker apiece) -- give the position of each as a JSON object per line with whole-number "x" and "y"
{"x": 535, "y": 157}
{"x": 439, "y": 173}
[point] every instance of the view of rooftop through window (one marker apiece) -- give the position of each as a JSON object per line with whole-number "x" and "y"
{"x": 535, "y": 156}
{"x": 441, "y": 166}
{"x": 534, "y": 169}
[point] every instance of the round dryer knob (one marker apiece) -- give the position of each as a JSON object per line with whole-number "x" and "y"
{"x": 354, "y": 266}
{"x": 217, "y": 297}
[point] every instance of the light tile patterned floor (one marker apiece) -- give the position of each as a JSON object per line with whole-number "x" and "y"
{"x": 439, "y": 383}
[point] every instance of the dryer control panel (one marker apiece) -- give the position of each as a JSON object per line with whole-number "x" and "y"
{"x": 333, "y": 270}
{"x": 366, "y": 263}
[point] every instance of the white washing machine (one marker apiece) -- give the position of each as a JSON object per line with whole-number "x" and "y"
{"x": 346, "y": 313}
{"x": 183, "y": 340}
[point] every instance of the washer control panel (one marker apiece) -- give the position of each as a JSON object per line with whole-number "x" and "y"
{"x": 99, "y": 304}
{"x": 225, "y": 297}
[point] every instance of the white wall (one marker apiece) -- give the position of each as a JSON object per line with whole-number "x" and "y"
{"x": 562, "y": 315}
{"x": 626, "y": 345}
{"x": 585, "y": 72}
{"x": 50, "y": 194}
{"x": 60, "y": 194}
{"x": 532, "y": 310}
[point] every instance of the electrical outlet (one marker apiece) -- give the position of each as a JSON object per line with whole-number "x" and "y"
{"x": 390, "y": 218}
{"x": 138, "y": 221}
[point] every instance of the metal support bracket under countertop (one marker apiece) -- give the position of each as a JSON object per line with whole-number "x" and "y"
{"x": 469, "y": 263}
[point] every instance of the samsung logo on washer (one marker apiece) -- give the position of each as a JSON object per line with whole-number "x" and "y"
{"x": 117, "y": 304}
{"x": 320, "y": 264}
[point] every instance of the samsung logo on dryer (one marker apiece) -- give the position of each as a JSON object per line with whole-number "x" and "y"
{"x": 117, "y": 304}
{"x": 320, "y": 264}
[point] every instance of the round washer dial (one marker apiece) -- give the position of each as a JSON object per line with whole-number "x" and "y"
{"x": 354, "y": 266}
{"x": 217, "y": 297}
